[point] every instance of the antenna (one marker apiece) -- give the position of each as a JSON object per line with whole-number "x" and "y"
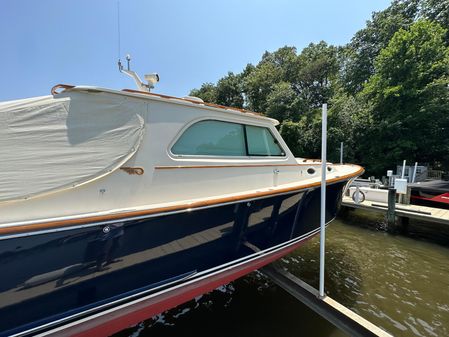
{"x": 118, "y": 33}
{"x": 152, "y": 79}
{"x": 128, "y": 59}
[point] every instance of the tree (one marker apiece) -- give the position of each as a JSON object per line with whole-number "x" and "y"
{"x": 387, "y": 89}
{"x": 348, "y": 122}
{"x": 316, "y": 69}
{"x": 301, "y": 137}
{"x": 274, "y": 68}
{"x": 229, "y": 91}
{"x": 358, "y": 64}
{"x": 409, "y": 97}
{"x": 437, "y": 10}
{"x": 283, "y": 103}
{"x": 207, "y": 92}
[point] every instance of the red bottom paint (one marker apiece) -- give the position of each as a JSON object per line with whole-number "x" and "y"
{"x": 107, "y": 323}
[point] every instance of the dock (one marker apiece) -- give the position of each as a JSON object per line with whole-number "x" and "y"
{"x": 334, "y": 312}
{"x": 430, "y": 214}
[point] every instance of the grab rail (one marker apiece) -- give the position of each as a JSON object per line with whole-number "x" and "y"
{"x": 59, "y": 86}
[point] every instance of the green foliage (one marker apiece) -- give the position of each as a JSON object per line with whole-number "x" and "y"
{"x": 301, "y": 137}
{"x": 387, "y": 90}
{"x": 317, "y": 67}
{"x": 348, "y": 122}
{"x": 259, "y": 83}
{"x": 360, "y": 53}
{"x": 411, "y": 76}
{"x": 229, "y": 91}
{"x": 438, "y": 11}
{"x": 207, "y": 92}
{"x": 283, "y": 103}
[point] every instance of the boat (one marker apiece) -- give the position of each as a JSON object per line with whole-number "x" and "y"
{"x": 117, "y": 205}
{"x": 432, "y": 193}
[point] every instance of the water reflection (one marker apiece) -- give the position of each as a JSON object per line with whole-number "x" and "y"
{"x": 251, "y": 306}
{"x": 398, "y": 283}
{"x": 343, "y": 276}
{"x": 100, "y": 252}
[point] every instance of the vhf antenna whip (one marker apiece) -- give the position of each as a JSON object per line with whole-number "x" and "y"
{"x": 150, "y": 78}
{"x": 118, "y": 32}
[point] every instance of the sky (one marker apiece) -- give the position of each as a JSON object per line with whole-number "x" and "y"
{"x": 187, "y": 43}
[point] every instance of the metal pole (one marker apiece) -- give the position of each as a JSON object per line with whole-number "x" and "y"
{"x": 323, "y": 196}
{"x": 403, "y": 169}
{"x": 402, "y": 177}
{"x": 341, "y": 153}
{"x": 414, "y": 172}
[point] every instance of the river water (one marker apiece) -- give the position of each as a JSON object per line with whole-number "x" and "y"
{"x": 399, "y": 283}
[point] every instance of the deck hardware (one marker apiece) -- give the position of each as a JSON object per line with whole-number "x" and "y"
{"x": 311, "y": 170}
{"x": 275, "y": 171}
{"x": 151, "y": 79}
{"x": 106, "y": 229}
{"x": 358, "y": 196}
{"x": 133, "y": 170}
{"x": 54, "y": 91}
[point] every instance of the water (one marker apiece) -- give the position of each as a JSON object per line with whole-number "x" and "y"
{"x": 398, "y": 283}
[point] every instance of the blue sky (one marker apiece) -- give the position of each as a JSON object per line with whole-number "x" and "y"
{"x": 187, "y": 42}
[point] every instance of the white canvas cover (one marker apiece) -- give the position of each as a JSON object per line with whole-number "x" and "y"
{"x": 49, "y": 144}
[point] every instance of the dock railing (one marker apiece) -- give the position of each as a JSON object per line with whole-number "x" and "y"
{"x": 434, "y": 174}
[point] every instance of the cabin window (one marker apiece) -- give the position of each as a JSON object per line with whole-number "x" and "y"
{"x": 218, "y": 138}
{"x": 214, "y": 138}
{"x": 261, "y": 142}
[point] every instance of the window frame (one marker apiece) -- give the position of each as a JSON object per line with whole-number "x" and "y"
{"x": 284, "y": 154}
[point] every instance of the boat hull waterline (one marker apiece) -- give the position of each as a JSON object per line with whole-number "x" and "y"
{"x": 98, "y": 279}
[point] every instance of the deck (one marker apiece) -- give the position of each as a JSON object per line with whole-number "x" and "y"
{"x": 424, "y": 213}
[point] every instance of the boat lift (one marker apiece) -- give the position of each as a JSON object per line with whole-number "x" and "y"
{"x": 334, "y": 312}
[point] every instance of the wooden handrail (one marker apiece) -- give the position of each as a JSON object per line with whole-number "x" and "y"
{"x": 191, "y": 101}
{"x": 59, "y": 86}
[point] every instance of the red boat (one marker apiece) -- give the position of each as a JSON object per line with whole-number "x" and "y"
{"x": 433, "y": 193}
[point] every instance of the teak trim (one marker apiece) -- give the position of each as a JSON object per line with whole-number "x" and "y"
{"x": 227, "y": 166}
{"x": 203, "y": 203}
{"x": 191, "y": 101}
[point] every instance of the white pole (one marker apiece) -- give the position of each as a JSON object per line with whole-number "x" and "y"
{"x": 403, "y": 169}
{"x": 341, "y": 153}
{"x": 323, "y": 196}
{"x": 414, "y": 172}
{"x": 402, "y": 177}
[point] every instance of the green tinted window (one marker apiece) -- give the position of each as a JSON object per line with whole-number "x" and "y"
{"x": 261, "y": 142}
{"x": 213, "y": 138}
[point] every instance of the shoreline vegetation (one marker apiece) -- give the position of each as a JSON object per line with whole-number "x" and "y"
{"x": 387, "y": 90}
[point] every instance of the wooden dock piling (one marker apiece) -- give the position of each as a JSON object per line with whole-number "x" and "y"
{"x": 391, "y": 210}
